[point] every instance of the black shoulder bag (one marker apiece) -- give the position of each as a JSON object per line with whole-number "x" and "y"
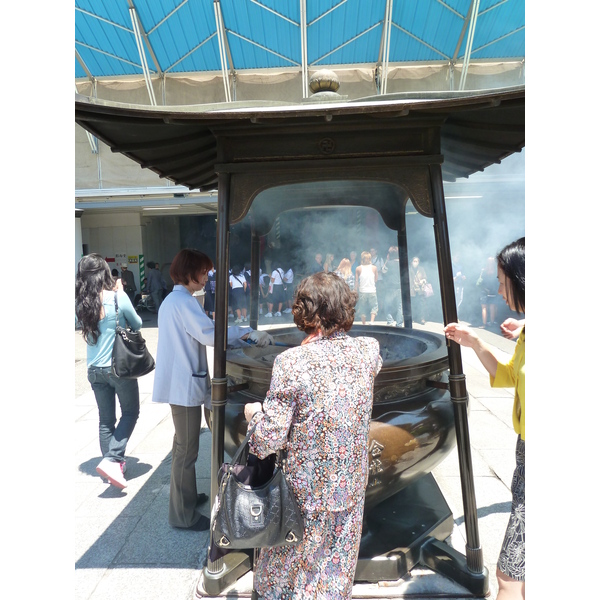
{"x": 130, "y": 357}
{"x": 262, "y": 516}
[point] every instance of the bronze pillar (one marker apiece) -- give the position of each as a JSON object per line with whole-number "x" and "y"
{"x": 404, "y": 273}
{"x": 254, "y": 277}
{"x": 458, "y": 389}
{"x": 219, "y": 574}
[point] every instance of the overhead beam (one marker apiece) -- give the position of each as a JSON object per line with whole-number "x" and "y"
{"x": 83, "y": 65}
{"x": 499, "y": 39}
{"x": 241, "y": 37}
{"x": 346, "y": 43}
{"x": 135, "y": 22}
{"x": 384, "y": 52}
{"x": 210, "y": 37}
{"x": 147, "y": 41}
{"x": 424, "y": 43}
{"x": 328, "y": 11}
{"x": 303, "y": 46}
{"x": 222, "y": 51}
{"x": 119, "y": 58}
{"x": 469, "y": 46}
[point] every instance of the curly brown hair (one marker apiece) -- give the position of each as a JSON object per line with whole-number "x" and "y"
{"x": 325, "y": 303}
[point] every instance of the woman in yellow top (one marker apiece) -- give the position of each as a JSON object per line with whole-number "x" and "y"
{"x": 511, "y": 276}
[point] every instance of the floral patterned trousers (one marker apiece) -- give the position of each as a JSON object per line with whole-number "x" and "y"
{"x": 322, "y": 566}
{"x": 512, "y": 555}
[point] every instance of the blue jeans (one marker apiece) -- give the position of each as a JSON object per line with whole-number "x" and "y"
{"x": 113, "y": 440}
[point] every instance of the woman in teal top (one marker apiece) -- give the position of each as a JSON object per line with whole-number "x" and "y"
{"x": 95, "y": 311}
{"x": 510, "y": 570}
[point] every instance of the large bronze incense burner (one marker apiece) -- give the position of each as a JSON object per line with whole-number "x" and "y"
{"x": 379, "y": 153}
{"x": 412, "y": 426}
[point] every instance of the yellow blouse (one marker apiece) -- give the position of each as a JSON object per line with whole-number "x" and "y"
{"x": 512, "y": 374}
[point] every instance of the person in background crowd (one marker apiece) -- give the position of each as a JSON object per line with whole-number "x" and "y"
{"x": 129, "y": 286}
{"x": 380, "y": 284}
{"x": 117, "y": 279}
{"x": 155, "y": 284}
{"x": 318, "y": 408}
{"x": 488, "y": 297}
{"x": 264, "y": 282}
{"x": 238, "y": 284}
{"x": 317, "y": 264}
{"x": 95, "y": 310}
{"x": 209, "y": 297}
{"x": 418, "y": 279}
{"x": 181, "y": 378}
{"x": 247, "y": 273}
{"x": 288, "y": 284}
{"x": 393, "y": 296}
{"x": 366, "y": 278}
{"x": 459, "y": 282}
{"x": 328, "y": 265}
{"x": 507, "y": 373}
{"x": 344, "y": 270}
{"x": 277, "y": 293}
{"x": 353, "y": 263}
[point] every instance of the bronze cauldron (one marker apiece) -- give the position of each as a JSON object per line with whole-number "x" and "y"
{"x": 412, "y": 423}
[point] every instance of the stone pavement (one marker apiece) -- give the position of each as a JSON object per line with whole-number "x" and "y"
{"x": 125, "y": 549}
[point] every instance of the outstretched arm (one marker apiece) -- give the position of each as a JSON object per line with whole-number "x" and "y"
{"x": 466, "y": 337}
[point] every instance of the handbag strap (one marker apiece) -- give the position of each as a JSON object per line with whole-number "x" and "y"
{"x": 281, "y": 454}
{"x": 117, "y": 326}
{"x": 116, "y": 311}
{"x": 242, "y": 447}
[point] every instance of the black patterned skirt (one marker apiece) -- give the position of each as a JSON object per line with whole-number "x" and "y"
{"x": 512, "y": 555}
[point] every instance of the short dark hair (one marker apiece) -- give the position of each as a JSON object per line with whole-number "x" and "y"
{"x": 511, "y": 259}
{"x": 324, "y": 302}
{"x": 187, "y": 264}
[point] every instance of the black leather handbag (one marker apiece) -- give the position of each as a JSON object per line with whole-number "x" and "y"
{"x": 262, "y": 516}
{"x": 130, "y": 357}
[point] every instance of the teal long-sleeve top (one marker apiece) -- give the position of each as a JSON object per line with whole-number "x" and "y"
{"x": 100, "y": 353}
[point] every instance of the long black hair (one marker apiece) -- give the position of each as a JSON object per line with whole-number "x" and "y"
{"x": 511, "y": 259}
{"x": 93, "y": 276}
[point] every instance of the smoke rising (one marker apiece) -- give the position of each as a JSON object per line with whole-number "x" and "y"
{"x": 484, "y": 212}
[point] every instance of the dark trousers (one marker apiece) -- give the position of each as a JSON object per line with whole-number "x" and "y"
{"x": 186, "y": 441}
{"x": 393, "y": 305}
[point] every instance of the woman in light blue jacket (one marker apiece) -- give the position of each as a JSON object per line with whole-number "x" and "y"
{"x": 181, "y": 378}
{"x": 95, "y": 295}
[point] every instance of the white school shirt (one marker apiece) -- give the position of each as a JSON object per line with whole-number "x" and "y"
{"x": 181, "y": 373}
{"x": 237, "y": 281}
{"x": 289, "y": 276}
{"x": 276, "y": 276}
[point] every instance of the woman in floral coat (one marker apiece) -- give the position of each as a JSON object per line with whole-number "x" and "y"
{"x": 319, "y": 408}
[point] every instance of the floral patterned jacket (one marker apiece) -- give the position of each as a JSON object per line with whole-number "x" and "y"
{"x": 319, "y": 403}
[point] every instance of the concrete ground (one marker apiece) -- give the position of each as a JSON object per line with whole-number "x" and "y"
{"x": 124, "y": 548}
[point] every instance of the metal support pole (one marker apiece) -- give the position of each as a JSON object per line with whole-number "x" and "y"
{"x": 458, "y": 388}
{"x": 254, "y": 278}
{"x": 219, "y": 574}
{"x": 404, "y": 277}
{"x": 219, "y": 382}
